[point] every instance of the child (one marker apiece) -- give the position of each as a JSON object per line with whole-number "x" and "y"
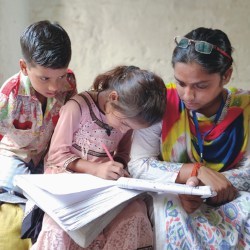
{"x": 205, "y": 134}
{"x": 121, "y": 100}
{"x": 30, "y": 102}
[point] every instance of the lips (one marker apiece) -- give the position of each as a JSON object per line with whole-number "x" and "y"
{"x": 51, "y": 94}
{"x": 190, "y": 105}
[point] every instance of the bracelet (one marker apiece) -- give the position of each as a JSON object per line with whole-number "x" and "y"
{"x": 195, "y": 169}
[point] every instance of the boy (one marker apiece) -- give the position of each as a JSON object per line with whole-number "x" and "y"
{"x": 30, "y": 102}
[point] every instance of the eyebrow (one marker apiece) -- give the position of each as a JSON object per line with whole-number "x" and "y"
{"x": 44, "y": 76}
{"x": 190, "y": 83}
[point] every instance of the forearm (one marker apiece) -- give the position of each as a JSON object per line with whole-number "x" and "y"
{"x": 184, "y": 173}
{"x": 154, "y": 169}
{"x": 82, "y": 166}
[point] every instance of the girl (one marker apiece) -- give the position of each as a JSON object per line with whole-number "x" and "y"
{"x": 121, "y": 100}
{"x": 204, "y": 133}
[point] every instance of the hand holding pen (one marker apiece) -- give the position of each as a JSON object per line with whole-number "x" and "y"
{"x": 114, "y": 168}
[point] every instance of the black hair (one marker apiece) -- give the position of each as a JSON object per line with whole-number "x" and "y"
{"x": 211, "y": 63}
{"x": 46, "y": 44}
{"x": 142, "y": 94}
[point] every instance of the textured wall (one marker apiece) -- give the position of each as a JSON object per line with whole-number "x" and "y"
{"x": 106, "y": 33}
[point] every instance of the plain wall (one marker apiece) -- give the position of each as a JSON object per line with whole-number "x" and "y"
{"x": 106, "y": 33}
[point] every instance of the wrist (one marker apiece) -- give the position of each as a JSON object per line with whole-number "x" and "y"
{"x": 196, "y": 168}
{"x": 82, "y": 166}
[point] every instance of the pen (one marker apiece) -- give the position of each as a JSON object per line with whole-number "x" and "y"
{"x": 107, "y": 152}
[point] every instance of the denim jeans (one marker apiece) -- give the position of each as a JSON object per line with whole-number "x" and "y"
{"x": 11, "y": 166}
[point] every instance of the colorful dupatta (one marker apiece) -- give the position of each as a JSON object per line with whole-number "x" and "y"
{"x": 223, "y": 147}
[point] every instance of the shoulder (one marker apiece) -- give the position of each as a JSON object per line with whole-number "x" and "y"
{"x": 71, "y": 79}
{"x": 11, "y": 85}
{"x": 78, "y": 102}
{"x": 69, "y": 89}
{"x": 239, "y": 97}
{"x": 170, "y": 85}
{"x": 171, "y": 89}
{"x": 149, "y": 132}
{"x": 238, "y": 91}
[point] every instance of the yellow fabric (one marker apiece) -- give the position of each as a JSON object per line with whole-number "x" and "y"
{"x": 11, "y": 217}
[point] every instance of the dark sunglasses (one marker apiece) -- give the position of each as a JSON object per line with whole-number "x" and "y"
{"x": 200, "y": 46}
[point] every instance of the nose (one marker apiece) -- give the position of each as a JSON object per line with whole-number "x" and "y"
{"x": 53, "y": 86}
{"x": 188, "y": 94}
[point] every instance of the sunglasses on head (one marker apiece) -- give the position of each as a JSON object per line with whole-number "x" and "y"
{"x": 200, "y": 46}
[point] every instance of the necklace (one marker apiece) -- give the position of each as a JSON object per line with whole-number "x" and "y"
{"x": 105, "y": 125}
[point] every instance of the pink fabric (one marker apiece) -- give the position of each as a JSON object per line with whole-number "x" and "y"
{"x": 79, "y": 135}
{"x": 130, "y": 230}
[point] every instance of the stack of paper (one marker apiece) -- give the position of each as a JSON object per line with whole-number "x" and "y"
{"x": 74, "y": 200}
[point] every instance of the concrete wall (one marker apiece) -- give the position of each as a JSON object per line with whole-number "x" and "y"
{"x": 105, "y": 33}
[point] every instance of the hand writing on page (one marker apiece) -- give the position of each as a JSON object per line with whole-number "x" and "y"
{"x": 191, "y": 202}
{"x": 110, "y": 170}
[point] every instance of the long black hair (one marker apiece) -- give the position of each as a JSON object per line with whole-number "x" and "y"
{"x": 211, "y": 63}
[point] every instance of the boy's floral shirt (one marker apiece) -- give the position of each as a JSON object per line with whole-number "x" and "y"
{"x": 25, "y": 131}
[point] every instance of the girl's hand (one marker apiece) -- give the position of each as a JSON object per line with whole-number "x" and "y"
{"x": 54, "y": 170}
{"x": 190, "y": 202}
{"x": 226, "y": 192}
{"x": 193, "y": 181}
{"x": 110, "y": 170}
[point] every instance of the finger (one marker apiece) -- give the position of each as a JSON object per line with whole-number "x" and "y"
{"x": 232, "y": 194}
{"x": 121, "y": 172}
{"x": 193, "y": 181}
{"x": 189, "y": 197}
{"x": 125, "y": 173}
{"x": 236, "y": 192}
{"x": 190, "y": 207}
{"x": 113, "y": 176}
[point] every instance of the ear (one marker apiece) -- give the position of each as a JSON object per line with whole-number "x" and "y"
{"x": 227, "y": 76}
{"x": 23, "y": 66}
{"x": 113, "y": 96}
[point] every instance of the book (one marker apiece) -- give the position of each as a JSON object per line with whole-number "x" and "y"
{"x": 83, "y": 205}
{"x": 74, "y": 200}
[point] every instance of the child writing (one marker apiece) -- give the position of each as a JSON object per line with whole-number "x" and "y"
{"x": 29, "y": 105}
{"x": 121, "y": 100}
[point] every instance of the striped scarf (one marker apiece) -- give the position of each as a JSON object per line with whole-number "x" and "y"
{"x": 223, "y": 147}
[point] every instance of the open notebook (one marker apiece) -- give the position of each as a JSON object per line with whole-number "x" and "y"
{"x": 74, "y": 200}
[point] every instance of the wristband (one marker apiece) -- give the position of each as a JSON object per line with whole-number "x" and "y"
{"x": 195, "y": 169}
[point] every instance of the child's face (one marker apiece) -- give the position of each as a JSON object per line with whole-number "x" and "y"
{"x": 46, "y": 81}
{"x": 118, "y": 121}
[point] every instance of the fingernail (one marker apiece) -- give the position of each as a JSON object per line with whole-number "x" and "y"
{"x": 191, "y": 183}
